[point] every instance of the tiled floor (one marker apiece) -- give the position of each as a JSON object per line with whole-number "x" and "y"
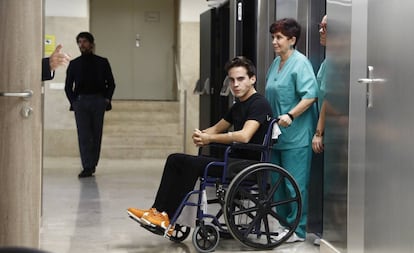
{"x": 89, "y": 214}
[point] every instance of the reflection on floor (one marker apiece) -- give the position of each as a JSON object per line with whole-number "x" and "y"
{"x": 89, "y": 214}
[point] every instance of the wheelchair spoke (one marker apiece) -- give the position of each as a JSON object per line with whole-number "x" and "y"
{"x": 267, "y": 229}
{"x": 249, "y": 195}
{"x": 252, "y": 225}
{"x": 286, "y": 201}
{"x": 281, "y": 219}
{"x": 261, "y": 182}
{"x": 243, "y": 210}
{"x": 274, "y": 188}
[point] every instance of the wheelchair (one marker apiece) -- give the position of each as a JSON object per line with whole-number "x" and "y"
{"x": 248, "y": 206}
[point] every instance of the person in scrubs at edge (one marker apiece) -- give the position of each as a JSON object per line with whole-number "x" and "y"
{"x": 317, "y": 140}
{"x": 291, "y": 90}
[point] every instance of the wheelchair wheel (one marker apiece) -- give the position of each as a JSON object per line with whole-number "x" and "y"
{"x": 206, "y": 238}
{"x": 253, "y": 209}
{"x": 180, "y": 233}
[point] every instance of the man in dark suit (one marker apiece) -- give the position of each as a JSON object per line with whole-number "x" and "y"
{"x": 89, "y": 87}
{"x": 56, "y": 59}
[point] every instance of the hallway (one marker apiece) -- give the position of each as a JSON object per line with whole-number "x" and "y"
{"x": 89, "y": 214}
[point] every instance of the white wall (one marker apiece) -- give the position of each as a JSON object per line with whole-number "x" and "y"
{"x": 65, "y": 8}
{"x": 189, "y": 9}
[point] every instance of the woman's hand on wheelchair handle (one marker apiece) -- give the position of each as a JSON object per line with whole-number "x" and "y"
{"x": 284, "y": 120}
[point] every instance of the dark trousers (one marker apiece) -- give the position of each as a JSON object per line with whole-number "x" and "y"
{"x": 89, "y": 114}
{"x": 181, "y": 172}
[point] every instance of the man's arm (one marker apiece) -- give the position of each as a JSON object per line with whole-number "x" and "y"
{"x": 219, "y": 127}
{"x": 317, "y": 140}
{"x": 47, "y": 73}
{"x": 302, "y": 106}
{"x": 216, "y": 133}
{"x": 70, "y": 78}
{"x": 110, "y": 82}
{"x": 56, "y": 59}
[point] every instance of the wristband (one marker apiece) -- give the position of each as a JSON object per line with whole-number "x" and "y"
{"x": 290, "y": 116}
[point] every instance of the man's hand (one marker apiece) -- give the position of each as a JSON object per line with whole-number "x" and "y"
{"x": 200, "y": 138}
{"x": 58, "y": 58}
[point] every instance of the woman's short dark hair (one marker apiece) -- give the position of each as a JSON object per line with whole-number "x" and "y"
{"x": 288, "y": 27}
{"x": 241, "y": 61}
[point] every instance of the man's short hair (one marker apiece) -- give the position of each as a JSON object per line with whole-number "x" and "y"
{"x": 85, "y": 35}
{"x": 241, "y": 61}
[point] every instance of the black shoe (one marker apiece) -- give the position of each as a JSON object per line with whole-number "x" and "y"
{"x": 85, "y": 173}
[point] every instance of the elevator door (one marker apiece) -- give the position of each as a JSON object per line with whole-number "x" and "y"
{"x": 390, "y": 119}
{"x": 138, "y": 38}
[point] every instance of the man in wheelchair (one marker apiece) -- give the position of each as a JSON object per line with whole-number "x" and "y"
{"x": 250, "y": 117}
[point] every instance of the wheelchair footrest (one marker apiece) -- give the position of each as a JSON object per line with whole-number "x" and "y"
{"x": 154, "y": 229}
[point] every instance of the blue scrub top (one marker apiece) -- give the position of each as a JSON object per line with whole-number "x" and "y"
{"x": 321, "y": 78}
{"x": 284, "y": 90}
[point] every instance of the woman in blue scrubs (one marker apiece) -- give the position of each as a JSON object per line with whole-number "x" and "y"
{"x": 291, "y": 90}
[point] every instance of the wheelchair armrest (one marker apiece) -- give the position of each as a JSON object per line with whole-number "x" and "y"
{"x": 213, "y": 144}
{"x": 220, "y": 145}
{"x": 239, "y": 145}
{"x": 248, "y": 146}
{"x": 236, "y": 145}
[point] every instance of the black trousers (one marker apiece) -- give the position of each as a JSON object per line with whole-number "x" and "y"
{"x": 181, "y": 172}
{"x": 89, "y": 115}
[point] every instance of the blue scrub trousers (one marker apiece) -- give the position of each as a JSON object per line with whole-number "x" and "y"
{"x": 297, "y": 162}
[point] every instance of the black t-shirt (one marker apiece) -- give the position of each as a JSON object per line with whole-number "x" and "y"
{"x": 256, "y": 108}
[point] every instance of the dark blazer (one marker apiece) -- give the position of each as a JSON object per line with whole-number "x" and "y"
{"x": 89, "y": 73}
{"x": 47, "y": 74}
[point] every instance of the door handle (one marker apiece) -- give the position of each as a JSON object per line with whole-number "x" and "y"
{"x": 25, "y": 94}
{"x": 369, "y": 82}
{"x": 26, "y": 111}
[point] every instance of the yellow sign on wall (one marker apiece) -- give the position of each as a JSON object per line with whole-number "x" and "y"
{"x": 50, "y": 44}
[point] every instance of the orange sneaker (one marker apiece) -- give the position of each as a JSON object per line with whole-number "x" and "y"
{"x": 156, "y": 218}
{"x": 138, "y": 213}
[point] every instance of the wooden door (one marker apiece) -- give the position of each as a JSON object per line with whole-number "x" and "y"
{"x": 20, "y": 121}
